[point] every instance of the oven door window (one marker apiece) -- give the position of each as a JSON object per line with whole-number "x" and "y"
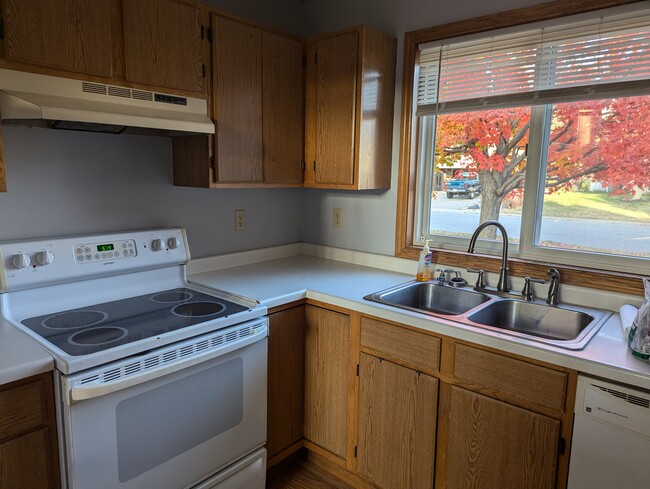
{"x": 160, "y": 424}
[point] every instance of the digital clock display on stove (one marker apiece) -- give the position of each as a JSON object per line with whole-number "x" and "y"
{"x": 105, "y": 247}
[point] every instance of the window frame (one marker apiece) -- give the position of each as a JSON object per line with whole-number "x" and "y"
{"x": 408, "y": 213}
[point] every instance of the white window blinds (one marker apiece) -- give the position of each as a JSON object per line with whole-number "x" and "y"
{"x": 587, "y": 59}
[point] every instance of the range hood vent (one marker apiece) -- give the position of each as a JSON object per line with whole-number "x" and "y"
{"x": 83, "y": 105}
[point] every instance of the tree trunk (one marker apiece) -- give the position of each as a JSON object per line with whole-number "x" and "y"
{"x": 490, "y": 201}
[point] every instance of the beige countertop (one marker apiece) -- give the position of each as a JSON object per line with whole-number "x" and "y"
{"x": 279, "y": 281}
{"x": 20, "y": 356}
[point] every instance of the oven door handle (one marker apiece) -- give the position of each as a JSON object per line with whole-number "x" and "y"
{"x": 78, "y": 391}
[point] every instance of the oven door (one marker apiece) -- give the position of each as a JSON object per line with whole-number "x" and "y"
{"x": 199, "y": 407}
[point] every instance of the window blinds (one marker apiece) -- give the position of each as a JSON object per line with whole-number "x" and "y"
{"x": 591, "y": 58}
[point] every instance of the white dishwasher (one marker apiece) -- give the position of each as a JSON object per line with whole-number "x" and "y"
{"x": 611, "y": 436}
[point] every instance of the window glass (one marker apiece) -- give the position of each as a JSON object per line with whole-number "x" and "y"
{"x": 479, "y": 173}
{"x": 597, "y": 178}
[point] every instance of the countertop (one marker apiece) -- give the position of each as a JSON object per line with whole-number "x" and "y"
{"x": 280, "y": 281}
{"x": 284, "y": 279}
{"x": 20, "y": 356}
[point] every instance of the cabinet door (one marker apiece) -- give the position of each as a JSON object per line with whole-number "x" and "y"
{"x": 492, "y": 444}
{"x": 24, "y": 462}
{"x": 237, "y": 75}
{"x": 336, "y": 95}
{"x": 286, "y": 379}
{"x": 326, "y": 386}
{"x": 282, "y": 108}
{"x": 397, "y": 425}
{"x": 162, "y": 43}
{"x": 71, "y": 35}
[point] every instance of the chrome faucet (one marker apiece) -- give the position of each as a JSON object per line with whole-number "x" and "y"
{"x": 554, "y": 287}
{"x": 502, "y": 286}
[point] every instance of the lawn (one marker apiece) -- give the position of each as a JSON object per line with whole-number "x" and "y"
{"x": 596, "y": 205}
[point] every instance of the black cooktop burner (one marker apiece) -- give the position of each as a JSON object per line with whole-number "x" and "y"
{"x": 102, "y": 326}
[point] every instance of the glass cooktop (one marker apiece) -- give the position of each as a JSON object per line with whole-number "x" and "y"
{"x": 102, "y": 326}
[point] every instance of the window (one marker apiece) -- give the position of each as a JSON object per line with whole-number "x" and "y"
{"x": 545, "y": 128}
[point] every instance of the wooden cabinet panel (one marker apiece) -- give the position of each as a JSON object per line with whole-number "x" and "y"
{"x": 286, "y": 379}
{"x": 162, "y": 43}
{"x": 326, "y": 378}
{"x": 22, "y": 408}
{"x": 282, "y": 108}
{"x": 533, "y": 383}
{"x": 336, "y": 92}
{"x": 24, "y": 462}
{"x": 349, "y": 97}
{"x": 237, "y": 74}
{"x": 492, "y": 444}
{"x": 28, "y": 445}
{"x": 397, "y": 425}
{"x": 418, "y": 350}
{"x": 72, "y": 35}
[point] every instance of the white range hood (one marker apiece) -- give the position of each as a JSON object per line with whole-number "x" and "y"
{"x": 82, "y": 105}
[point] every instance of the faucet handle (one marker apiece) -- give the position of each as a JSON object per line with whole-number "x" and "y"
{"x": 480, "y": 280}
{"x": 527, "y": 291}
{"x": 443, "y": 274}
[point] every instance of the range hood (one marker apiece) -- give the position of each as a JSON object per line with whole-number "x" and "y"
{"x": 82, "y": 105}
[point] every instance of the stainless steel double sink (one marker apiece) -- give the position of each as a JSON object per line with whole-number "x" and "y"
{"x": 566, "y": 326}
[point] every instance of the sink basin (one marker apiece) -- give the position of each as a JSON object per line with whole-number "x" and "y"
{"x": 430, "y": 297}
{"x": 570, "y": 328}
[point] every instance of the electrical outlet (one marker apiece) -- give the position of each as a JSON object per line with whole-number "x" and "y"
{"x": 240, "y": 219}
{"x": 337, "y": 218}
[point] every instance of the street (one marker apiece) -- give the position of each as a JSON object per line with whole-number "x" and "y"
{"x": 624, "y": 237}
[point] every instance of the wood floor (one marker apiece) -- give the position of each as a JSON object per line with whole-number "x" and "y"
{"x": 298, "y": 473}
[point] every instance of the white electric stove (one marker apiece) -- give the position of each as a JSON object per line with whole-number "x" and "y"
{"x": 160, "y": 383}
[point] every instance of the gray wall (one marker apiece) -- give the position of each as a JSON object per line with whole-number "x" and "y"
{"x": 66, "y": 182}
{"x": 69, "y": 182}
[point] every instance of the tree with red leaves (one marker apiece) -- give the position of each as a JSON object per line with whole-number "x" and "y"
{"x": 604, "y": 140}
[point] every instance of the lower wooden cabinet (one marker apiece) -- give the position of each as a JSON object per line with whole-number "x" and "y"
{"x": 28, "y": 446}
{"x": 492, "y": 444}
{"x": 286, "y": 379}
{"x": 397, "y": 425}
{"x": 326, "y": 379}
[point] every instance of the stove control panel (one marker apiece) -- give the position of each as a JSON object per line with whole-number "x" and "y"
{"x": 96, "y": 252}
{"x": 34, "y": 263}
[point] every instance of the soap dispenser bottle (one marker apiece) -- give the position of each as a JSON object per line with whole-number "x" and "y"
{"x": 424, "y": 263}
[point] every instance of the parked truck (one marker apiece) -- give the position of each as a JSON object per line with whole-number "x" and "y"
{"x": 464, "y": 183}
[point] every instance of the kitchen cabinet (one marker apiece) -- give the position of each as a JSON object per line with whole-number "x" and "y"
{"x": 503, "y": 422}
{"x": 286, "y": 379}
{"x": 326, "y": 379}
{"x": 163, "y": 43}
{"x": 28, "y": 445}
{"x": 398, "y": 405}
{"x": 350, "y": 89}
{"x": 397, "y": 425}
{"x": 494, "y": 444}
{"x": 62, "y": 34}
{"x": 257, "y": 105}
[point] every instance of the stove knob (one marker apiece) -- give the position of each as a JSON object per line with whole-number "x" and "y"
{"x": 173, "y": 243}
{"x": 21, "y": 260}
{"x": 157, "y": 244}
{"x": 45, "y": 257}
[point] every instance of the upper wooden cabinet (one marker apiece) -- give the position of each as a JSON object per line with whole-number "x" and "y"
{"x": 257, "y": 105}
{"x": 163, "y": 43}
{"x": 350, "y": 89}
{"x": 70, "y": 35}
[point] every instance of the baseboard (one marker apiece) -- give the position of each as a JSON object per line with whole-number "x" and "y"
{"x": 284, "y": 454}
